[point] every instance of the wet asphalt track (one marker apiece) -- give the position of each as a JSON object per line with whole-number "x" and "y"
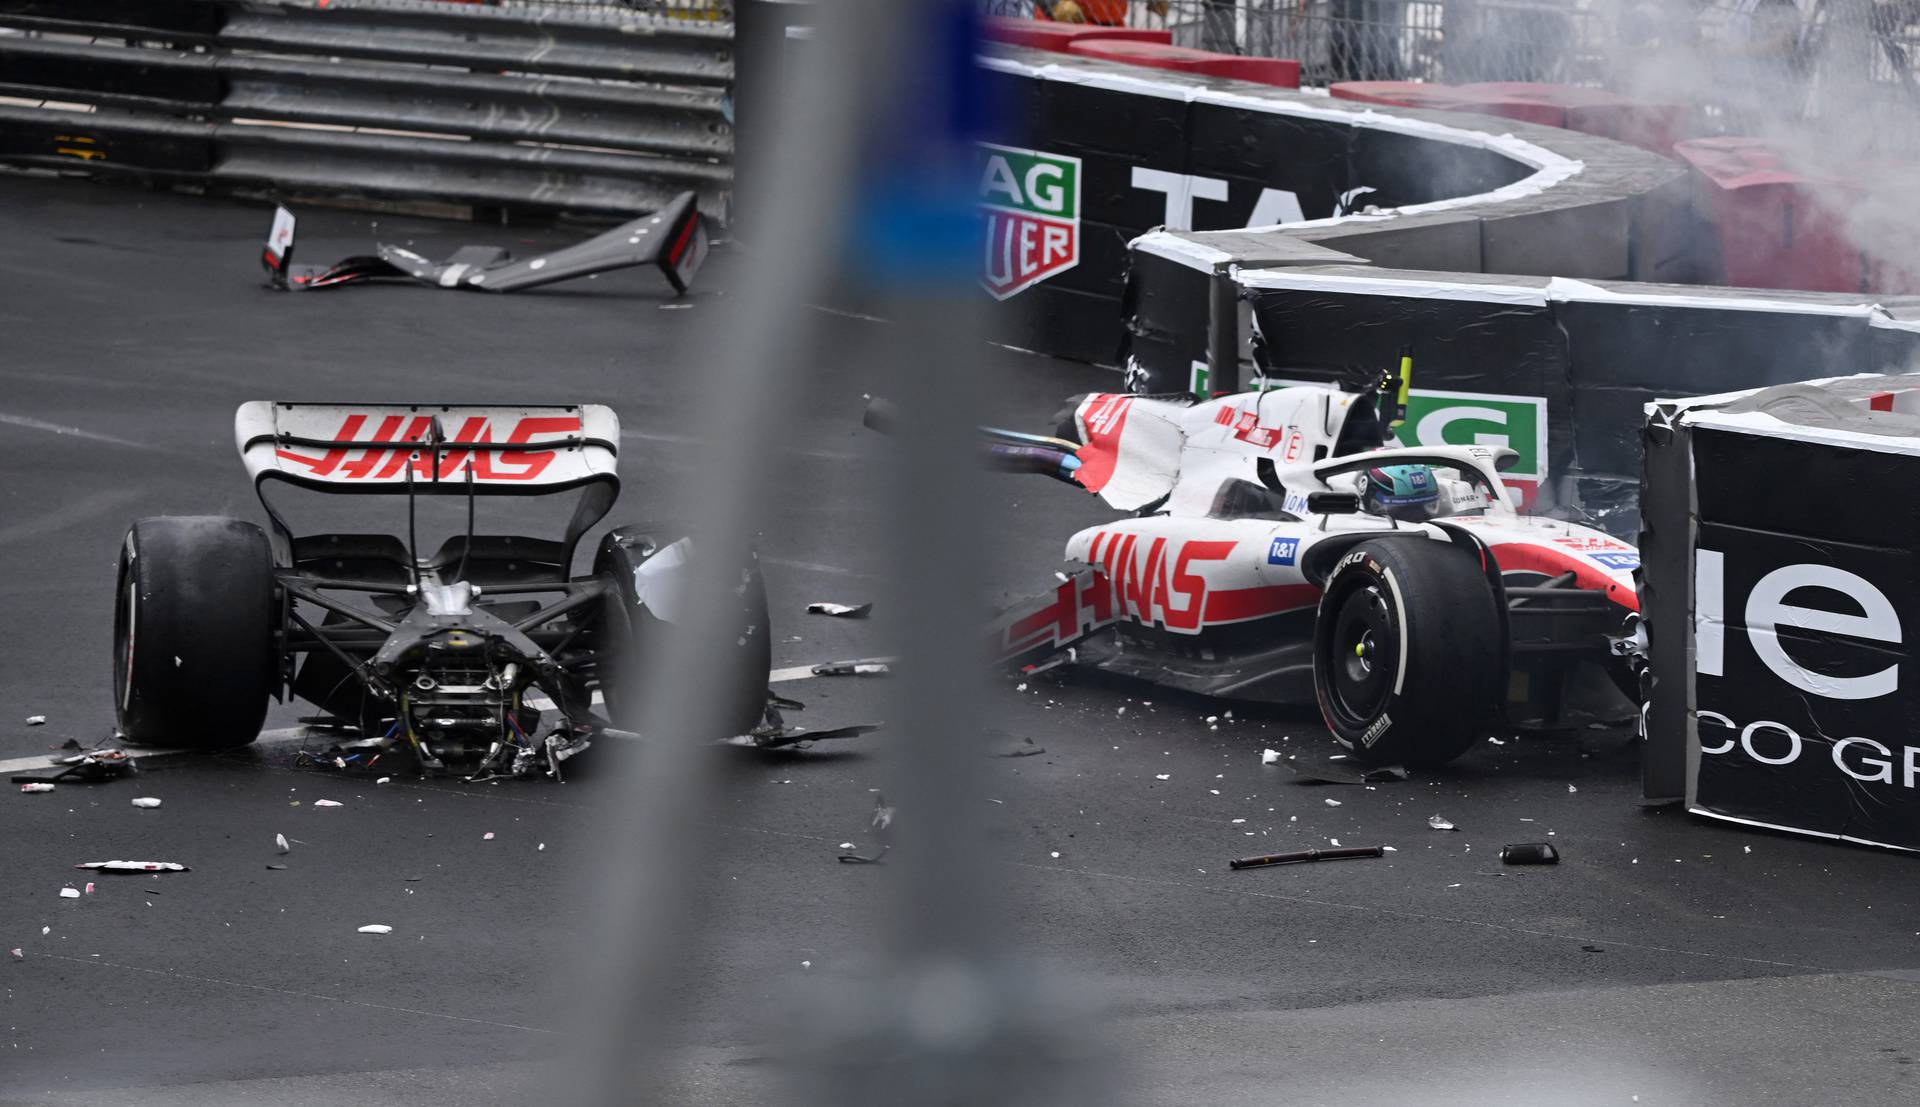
{"x": 1665, "y": 958}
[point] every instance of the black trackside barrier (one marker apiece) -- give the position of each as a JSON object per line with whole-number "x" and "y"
{"x": 1562, "y": 370}
{"x": 1210, "y": 156}
{"x": 541, "y": 108}
{"x": 1783, "y": 645}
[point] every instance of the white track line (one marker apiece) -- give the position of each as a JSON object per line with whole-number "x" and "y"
{"x": 31, "y": 423}
{"x": 814, "y": 567}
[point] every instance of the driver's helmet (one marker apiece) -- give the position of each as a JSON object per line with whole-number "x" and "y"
{"x": 1401, "y": 491}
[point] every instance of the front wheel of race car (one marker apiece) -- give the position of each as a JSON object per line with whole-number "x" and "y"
{"x": 645, "y": 573}
{"x": 1409, "y": 664}
{"x": 193, "y": 621}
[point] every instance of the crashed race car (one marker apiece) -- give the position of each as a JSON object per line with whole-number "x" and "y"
{"x": 673, "y": 239}
{"x": 1280, "y": 550}
{"x": 482, "y": 658}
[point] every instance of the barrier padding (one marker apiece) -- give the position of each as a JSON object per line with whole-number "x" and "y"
{"x": 1776, "y": 227}
{"x": 1058, "y": 37}
{"x": 1402, "y": 94}
{"x": 1648, "y": 124}
{"x": 1278, "y": 72}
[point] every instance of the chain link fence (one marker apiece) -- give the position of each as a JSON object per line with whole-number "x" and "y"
{"x": 1749, "y": 65}
{"x": 704, "y": 11}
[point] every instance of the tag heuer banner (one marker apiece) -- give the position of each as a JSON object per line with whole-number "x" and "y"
{"x": 1031, "y": 203}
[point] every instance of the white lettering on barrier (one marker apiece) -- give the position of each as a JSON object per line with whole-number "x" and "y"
{"x": 1766, "y": 611}
{"x": 1873, "y": 768}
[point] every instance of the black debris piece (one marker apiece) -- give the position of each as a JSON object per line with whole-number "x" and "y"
{"x": 1530, "y": 853}
{"x": 1339, "y": 853}
{"x": 880, "y": 828}
{"x": 92, "y": 767}
{"x": 1328, "y": 771}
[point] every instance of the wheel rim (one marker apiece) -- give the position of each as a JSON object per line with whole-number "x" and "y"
{"x": 1365, "y": 654}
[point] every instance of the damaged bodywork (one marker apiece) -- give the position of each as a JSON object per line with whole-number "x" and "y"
{"x": 674, "y": 239}
{"x": 489, "y": 656}
{"x": 1277, "y": 550}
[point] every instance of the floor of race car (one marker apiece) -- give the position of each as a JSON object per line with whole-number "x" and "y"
{"x": 1666, "y": 958}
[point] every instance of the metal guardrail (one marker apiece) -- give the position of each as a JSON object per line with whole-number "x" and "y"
{"x": 527, "y": 106}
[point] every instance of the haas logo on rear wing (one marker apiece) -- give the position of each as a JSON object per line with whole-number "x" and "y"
{"x": 352, "y": 457}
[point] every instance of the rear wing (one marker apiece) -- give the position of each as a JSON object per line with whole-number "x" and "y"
{"x": 674, "y": 240}
{"x": 525, "y": 449}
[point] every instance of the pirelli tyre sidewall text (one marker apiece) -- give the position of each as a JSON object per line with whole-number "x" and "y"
{"x": 194, "y": 657}
{"x": 1409, "y": 664}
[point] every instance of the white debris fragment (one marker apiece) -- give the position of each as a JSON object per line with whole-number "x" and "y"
{"x": 328, "y": 803}
{"x": 487, "y": 837}
{"x": 1748, "y": 849}
{"x": 1121, "y": 711}
{"x": 1453, "y": 885}
{"x": 846, "y": 845}
{"x": 1571, "y": 788}
{"x": 376, "y": 928}
{"x": 1269, "y": 757}
{"x": 45, "y": 930}
{"x": 384, "y": 780}
{"x": 1163, "y": 776}
{"x": 541, "y": 848}
{"x": 1212, "y": 719}
{"x": 1389, "y": 849}
{"x": 1021, "y": 687}
{"x": 1497, "y": 741}
{"x": 806, "y": 964}
{"x": 40, "y": 787}
{"x": 1237, "y": 822}
{"x": 1333, "y": 803}
{"x": 69, "y": 892}
{"x": 18, "y": 954}
{"x": 280, "y": 843}
{"x": 1213, "y": 791}
{"x": 1335, "y": 841}
{"x": 1439, "y": 822}
{"x": 840, "y": 610}
{"x": 145, "y": 801}
{"x": 1055, "y": 855}
{"x": 36, "y": 720}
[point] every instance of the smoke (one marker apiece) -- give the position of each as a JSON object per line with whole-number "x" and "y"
{"x": 1826, "y": 85}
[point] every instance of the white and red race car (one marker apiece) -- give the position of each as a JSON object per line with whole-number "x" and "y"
{"x": 1276, "y": 552}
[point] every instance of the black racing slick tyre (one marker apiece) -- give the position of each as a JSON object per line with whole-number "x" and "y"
{"x": 1409, "y": 659}
{"x": 638, "y": 624}
{"x": 194, "y": 661}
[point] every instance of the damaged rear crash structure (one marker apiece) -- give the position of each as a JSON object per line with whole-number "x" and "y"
{"x": 673, "y": 238}
{"x": 483, "y": 658}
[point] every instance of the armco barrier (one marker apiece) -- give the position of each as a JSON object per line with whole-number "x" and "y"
{"x": 554, "y": 108}
{"x": 1778, "y": 597}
